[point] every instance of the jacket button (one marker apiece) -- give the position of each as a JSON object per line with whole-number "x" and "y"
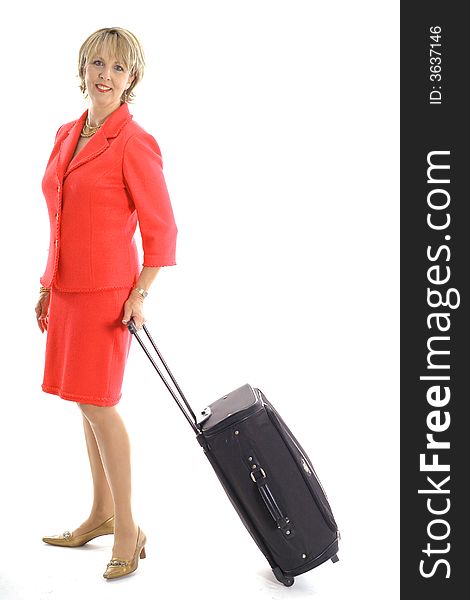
{"x": 57, "y": 215}
{"x": 58, "y": 188}
{"x": 56, "y": 242}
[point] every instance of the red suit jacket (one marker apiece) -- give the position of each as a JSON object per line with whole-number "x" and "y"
{"x": 95, "y": 200}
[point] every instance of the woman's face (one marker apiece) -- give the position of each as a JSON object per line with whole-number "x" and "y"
{"x": 106, "y": 79}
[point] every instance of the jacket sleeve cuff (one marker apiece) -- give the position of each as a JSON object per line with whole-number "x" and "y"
{"x": 153, "y": 260}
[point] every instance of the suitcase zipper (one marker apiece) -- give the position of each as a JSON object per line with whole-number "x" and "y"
{"x": 328, "y": 518}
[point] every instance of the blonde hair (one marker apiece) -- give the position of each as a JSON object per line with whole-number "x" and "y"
{"x": 123, "y": 45}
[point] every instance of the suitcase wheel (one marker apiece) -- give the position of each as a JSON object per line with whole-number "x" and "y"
{"x": 287, "y": 580}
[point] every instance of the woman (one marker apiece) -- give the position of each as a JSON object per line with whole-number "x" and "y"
{"x": 103, "y": 176}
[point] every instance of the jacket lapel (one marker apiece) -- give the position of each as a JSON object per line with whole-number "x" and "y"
{"x": 96, "y": 146}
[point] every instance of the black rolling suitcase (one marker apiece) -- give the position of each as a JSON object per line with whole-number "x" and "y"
{"x": 265, "y": 473}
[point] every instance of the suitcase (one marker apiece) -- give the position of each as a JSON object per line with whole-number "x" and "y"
{"x": 267, "y": 476}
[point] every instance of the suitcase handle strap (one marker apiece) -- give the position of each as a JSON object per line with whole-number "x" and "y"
{"x": 282, "y": 521}
{"x": 133, "y": 329}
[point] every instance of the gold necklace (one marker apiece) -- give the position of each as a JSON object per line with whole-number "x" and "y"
{"x": 88, "y": 130}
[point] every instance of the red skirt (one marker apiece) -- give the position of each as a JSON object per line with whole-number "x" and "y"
{"x": 87, "y": 346}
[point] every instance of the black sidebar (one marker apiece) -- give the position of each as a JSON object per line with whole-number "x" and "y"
{"x": 435, "y": 300}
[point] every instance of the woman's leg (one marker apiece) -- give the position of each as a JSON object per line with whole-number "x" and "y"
{"x": 103, "y": 503}
{"x": 114, "y": 448}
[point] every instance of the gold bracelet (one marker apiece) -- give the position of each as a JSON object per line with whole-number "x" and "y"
{"x": 142, "y": 292}
{"x": 44, "y": 289}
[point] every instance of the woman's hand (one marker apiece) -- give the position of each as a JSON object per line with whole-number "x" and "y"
{"x": 42, "y": 311}
{"x": 133, "y": 308}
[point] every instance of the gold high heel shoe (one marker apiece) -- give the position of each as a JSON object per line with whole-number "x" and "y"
{"x": 71, "y": 541}
{"x": 118, "y": 567}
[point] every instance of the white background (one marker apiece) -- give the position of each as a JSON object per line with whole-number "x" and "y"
{"x": 278, "y": 123}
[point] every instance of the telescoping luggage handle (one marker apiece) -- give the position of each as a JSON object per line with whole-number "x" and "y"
{"x": 258, "y": 476}
{"x": 133, "y": 329}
